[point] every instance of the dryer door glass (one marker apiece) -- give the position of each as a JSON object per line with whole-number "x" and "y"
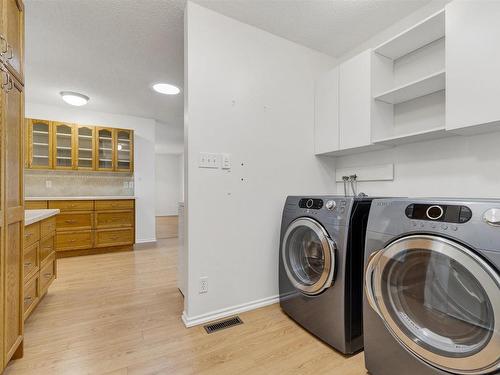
{"x": 442, "y": 301}
{"x": 308, "y": 256}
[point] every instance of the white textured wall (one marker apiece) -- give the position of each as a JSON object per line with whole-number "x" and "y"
{"x": 144, "y": 154}
{"x": 168, "y": 184}
{"x": 250, "y": 94}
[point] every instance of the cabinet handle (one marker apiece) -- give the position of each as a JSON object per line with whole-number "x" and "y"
{"x": 114, "y": 238}
{"x": 27, "y": 299}
{"x": 27, "y": 264}
{"x": 4, "y": 45}
{"x": 70, "y": 221}
{"x": 47, "y": 275}
{"x": 11, "y": 85}
{"x": 11, "y": 50}
{"x": 28, "y": 235}
{"x": 72, "y": 241}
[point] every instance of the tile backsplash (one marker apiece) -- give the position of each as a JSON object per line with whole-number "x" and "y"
{"x": 76, "y": 183}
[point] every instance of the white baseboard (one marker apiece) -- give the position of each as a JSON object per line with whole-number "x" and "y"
{"x": 223, "y": 313}
{"x": 145, "y": 240}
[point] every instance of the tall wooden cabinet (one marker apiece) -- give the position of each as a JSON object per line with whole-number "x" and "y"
{"x": 11, "y": 176}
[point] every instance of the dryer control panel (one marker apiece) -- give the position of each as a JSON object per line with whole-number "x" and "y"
{"x": 444, "y": 213}
{"x": 311, "y": 203}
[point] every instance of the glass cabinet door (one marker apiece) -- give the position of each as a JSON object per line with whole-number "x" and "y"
{"x": 39, "y": 145}
{"x": 105, "y": 149}
{"x": 63, "y": 146}
{"x": 124, "y": 150}
{"x": 85, "y": 147}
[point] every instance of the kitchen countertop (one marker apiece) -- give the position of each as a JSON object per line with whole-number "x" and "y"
{"x": 34, "y": 216}
{"x": 90, "y": 198}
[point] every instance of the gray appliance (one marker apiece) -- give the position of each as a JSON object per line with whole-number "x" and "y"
{"x": 432, "y": 287}
{"x": 321, "y": 267}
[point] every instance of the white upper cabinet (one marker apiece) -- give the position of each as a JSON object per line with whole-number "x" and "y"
{"x": 472, "y": 65}
{"x": 355, "y": 102}
{"x": 326, "y": 122}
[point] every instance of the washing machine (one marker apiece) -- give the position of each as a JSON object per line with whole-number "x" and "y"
{"x": 321, "y": 267}
{"x": 432, "y": 287}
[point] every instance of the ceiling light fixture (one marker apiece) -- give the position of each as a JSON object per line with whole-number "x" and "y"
{"x": 165, "y": 88}
{"x": 74, "y": 98}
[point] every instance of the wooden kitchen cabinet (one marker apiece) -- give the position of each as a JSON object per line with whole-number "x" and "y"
{"x": 472, "y": 65}
{"x": 85, "y": 147}
{"x": 105, "y": 141}
{"x": 57, "y": 145}
{"x": 40, "y": 264}
{"x": 89, "y": 227}
{"x": 39, "y": 144}
{"x": 63, "y": 146}
{"x": 124, "y": 150}
{"x": 12, "y": 40}
{"x": 12, "y": 159}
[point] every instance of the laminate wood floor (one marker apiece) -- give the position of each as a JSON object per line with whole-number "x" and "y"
{"x": 120, "y": 314}
{"x": 167, "y": 227}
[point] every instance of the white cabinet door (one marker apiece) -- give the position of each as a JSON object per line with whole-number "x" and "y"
{"x": 326, "y": 121}
{"x": 355, "y": 101}
{"x": 472, "y": 64}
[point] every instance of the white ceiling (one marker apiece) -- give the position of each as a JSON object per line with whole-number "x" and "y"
{"x": 113, "y": 50}
{"x": 110, "y": 50}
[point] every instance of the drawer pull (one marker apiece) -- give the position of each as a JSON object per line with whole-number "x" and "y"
{"x": 73, "y": 240}
{"x": 72, "y": 205}
{"x": 47, "y": 275}
{"x": 71, "y": 221}
{"x": 28, "y": 235}
{"x": 48, "y": 248}
{"x": 28, "y": 299}
{"x": 114, "y": 238}
{"x": 27, "y": 264}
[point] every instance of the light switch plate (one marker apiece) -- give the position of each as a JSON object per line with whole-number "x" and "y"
{"x": 226, "y": 161}
{"x": 208, "y": 160}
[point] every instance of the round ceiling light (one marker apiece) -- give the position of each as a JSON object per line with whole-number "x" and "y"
{"x": 165, "y": 88}
{"x": 74, "y": 98}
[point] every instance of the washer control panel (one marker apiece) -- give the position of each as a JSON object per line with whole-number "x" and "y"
{"x": 311, "y": 203}
{"x": 442, "y": 213}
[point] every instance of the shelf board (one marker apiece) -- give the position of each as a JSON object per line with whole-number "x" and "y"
{"x": 64, "y": 157}
{"x": 424, "y": 135}
{"x": 63, "y": 148}
{"x": 63, "y": 135}
{"x": 85, "y": 136}
{"x": 40, "y": 144}
{"x": 417, "y": 36}
{"x": 106, "y": 138}
{"x": 106, "y": 160}
{"x": 425, "y": 86}
{"x": 123, "y": 161}
{"x": 84, "y": 158}
{"x": 84, "y": 149}
{"x": 40, "y": 132}
{"x": 40, "y": 156}
{"x": 123, "y": 140}
{"x": 105, "y": 149}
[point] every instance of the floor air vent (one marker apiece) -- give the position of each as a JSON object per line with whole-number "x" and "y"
{"x": 223, "y": 324}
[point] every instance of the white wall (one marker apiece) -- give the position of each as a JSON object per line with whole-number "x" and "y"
{"x": 250, "y": 94}
{"x": 168, "y": 184}
{"x": 459, "y": 166}
{"x": 144, "y": 154}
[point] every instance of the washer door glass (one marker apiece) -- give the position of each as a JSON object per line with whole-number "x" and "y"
{"x": 440, "y": 300}
{"x": 308, "y": 256}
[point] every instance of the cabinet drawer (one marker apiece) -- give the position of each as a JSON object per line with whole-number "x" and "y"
{"x": 47, "y": 227}
{"x": 30, "y": 261}
{"x": 31, "y": 234}
{"x": 114, "y": 219}
{"x": 118, "y": 204}
{"x": 74, "y": 240}
{"x": 31, "y": 295}
{"x": 35, "y": 205}
{"x": 114, "y": 237}
{"x": 72, "y": 205}
{"x": 47, "y": 274}
{"x": 74, "y": 221}
{"x": 47, "y": 247}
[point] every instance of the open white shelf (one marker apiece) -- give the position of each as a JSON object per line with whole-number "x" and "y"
{"x": 412, "y": 137}
{"x": 421, "y": 34}
{"x": 425, "y": 86}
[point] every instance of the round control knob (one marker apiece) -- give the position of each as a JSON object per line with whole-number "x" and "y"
{"x": 434, "y": 212}
{"x": 331, "y": 205}
{"x": 309, "y": 203}
{"x": 492, "y": 216}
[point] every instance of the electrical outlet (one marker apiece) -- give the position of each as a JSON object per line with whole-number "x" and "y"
{"x": 48, "y": 184}
{"x": 203, "y": 285}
